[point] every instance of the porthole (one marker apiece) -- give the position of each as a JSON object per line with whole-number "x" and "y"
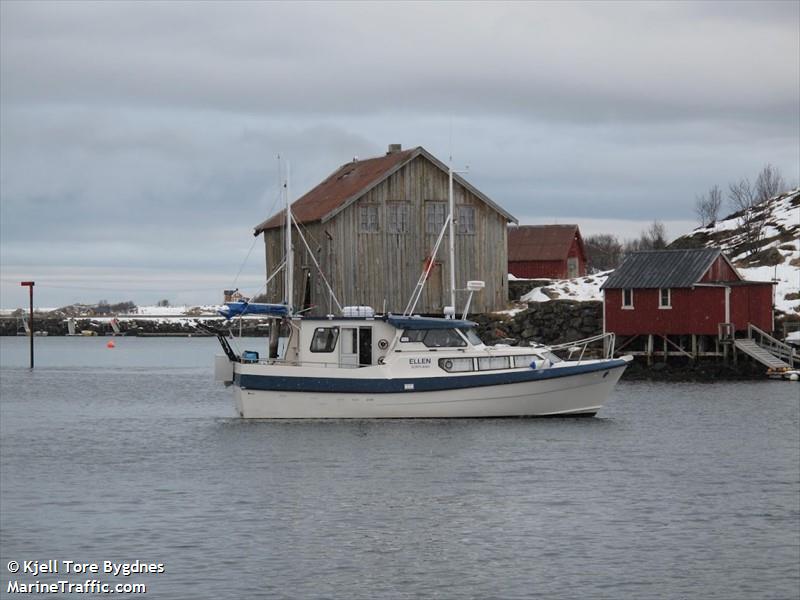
{"x": 383, "y": 344}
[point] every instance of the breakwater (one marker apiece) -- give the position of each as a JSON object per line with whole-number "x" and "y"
{"x": 555, "y": 322}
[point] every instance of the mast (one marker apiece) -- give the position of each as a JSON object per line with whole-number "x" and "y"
{"x": 452, "y": 239}
{"x": 289, "y": 253}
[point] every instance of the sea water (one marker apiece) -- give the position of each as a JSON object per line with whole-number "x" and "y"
{"x": 133, "y": 456}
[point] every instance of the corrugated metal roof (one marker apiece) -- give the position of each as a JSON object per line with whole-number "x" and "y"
{"x": 662, "y": 269}
{"x": 354, "y": 179}
{"x": 348, "y": 180}
{"x": 540, "y": 242}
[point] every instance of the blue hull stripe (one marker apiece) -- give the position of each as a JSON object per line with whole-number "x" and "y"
{"x": 421, "y": 384}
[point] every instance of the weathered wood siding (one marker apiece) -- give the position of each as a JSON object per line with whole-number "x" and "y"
{"x": 380, "y": 268}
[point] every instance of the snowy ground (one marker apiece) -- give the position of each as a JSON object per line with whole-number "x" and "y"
{"x": 581, "y": 288}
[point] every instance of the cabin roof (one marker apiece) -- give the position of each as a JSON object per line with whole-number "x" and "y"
{"x": 354, "y": 179}
{"x": 663, "y": 268}
{"x": 540, "y": 242}
{"x": 429, "y": 323}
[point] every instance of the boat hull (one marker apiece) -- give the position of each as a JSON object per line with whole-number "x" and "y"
{"x": 575, "y": 393}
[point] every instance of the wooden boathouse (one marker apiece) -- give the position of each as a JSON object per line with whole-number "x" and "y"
{"x": 690, "y": 302}
{"x": 546, "y": 251}
{"x": 372, "y": 224}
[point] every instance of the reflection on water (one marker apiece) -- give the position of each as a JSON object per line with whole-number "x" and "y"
{"x": 674, "y": 490}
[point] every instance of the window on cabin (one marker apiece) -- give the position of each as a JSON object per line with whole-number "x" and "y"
{"x": 472, "y": 337}
{"x": 413, "y": 335}
{"x": 324, "y": 339}
{"x": 435, "y": 215}
{"x": 369, "y": 218}
{"x": 627, "y": 298}
{"x": 664, "y": 298}
{"x": 443, "y": 338}
{"x": 466, "y": 219}
{"x": 397, "y": 217}
{"x": 456, "y": 365}
{"x": 490, "y": 363}
{"x": 524, "y": 360}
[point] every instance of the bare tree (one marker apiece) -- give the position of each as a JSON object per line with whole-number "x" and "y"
{"x": 744, "y": 200}
{"x": 603, "y": 251}
{"x": 707, "y": 206}
{"x": 655, "y": 236}
{"x": 652, "y": 238}
{"x": 769, "y": 184}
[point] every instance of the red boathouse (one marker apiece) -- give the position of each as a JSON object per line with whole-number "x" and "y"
{"x": 683, "y": 296}
{"x": 546, "y": 251}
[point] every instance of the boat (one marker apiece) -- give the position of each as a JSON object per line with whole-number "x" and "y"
{"x": 361, "y": 365}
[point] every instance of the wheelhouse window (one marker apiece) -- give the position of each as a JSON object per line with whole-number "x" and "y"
{"x": 456, "y": 365}
{"x": 466, "y": 219}
{"x": 368, "y": 218}
{"x": 472, "y": 337}
{"x": 413, "y": 335}
{"x": 435, "y": 213}
{"x": 443, "y": 338}
{"x": 627, "y": 298}
{"x": 664, "y": 298}
{"x": 324, "y": 339}
{"x": 397, "y": 217}
{"x": 434, "y": 338}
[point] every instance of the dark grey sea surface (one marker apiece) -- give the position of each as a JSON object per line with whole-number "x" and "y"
{"x": 134, "y": 453}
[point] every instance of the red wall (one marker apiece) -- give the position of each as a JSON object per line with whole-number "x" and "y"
{"x": 752, "y": 304}
{"x": 575, "y": 250}
{"x": 532, "y": 269}
{"x": 720, "y": 270}
{"x": 553, "y": 269}
{"x": 697, "y": 311}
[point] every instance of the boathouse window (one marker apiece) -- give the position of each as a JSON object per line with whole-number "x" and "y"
{"x": 443, "y": 338}
{"x": 397, "y": 217}
{"x": 466, "y": 219}
{"x": 324, "y": 339}
{"x": 490, "y": 363}
{"x": 456, "y": 365}
{"x": 369, "y": 218}
{"x": 435, "y": 213}
{"x": 664, "y": 298}
{"x": 627, "y": 298}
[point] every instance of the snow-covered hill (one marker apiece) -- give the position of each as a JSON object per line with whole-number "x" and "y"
{"x": 774, "y": 257}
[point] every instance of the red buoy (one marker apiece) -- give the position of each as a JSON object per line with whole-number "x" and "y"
{"x": 110, "y": 344}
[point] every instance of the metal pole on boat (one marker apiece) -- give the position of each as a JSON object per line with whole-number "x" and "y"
{"x": 29, "y": 285}
{"x": 289, "y": 253}
{"x": 452, "y": 259}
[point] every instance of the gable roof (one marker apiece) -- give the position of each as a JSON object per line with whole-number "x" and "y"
{"x": 663, "y": 268}
{"x": 354, "y": 179}
{"x": 541, "y": 242}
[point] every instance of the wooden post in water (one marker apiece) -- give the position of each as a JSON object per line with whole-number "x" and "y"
{"x": 29, "y": 285}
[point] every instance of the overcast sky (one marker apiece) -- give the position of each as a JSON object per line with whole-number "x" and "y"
{"x": 138, "y": 140}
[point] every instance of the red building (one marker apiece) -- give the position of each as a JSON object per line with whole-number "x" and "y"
{"x": 681, "y": 293}
{"x": 546, "y": 251}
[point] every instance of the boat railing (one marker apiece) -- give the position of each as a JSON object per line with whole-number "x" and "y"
{"x": 306, "y": 363}
{"x": 580, "y": 347}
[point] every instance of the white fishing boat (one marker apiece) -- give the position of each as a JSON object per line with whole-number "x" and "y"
{"x": 362, "y": 365}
